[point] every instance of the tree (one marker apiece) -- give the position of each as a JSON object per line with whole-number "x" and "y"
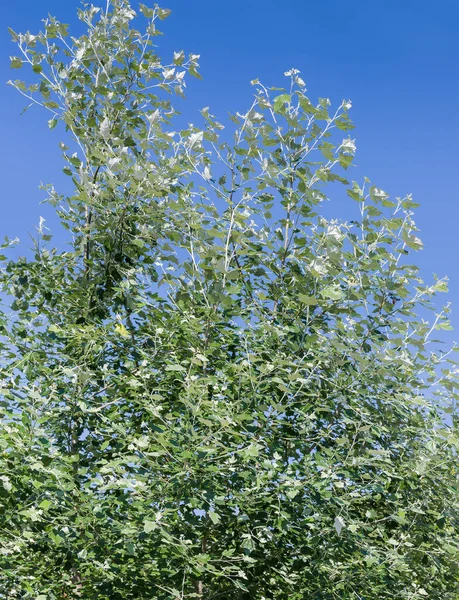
{"x": 213, "y": 391}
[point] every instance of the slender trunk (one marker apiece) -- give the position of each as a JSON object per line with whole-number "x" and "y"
{"x": 198, "y": 585}
{"x": 198, "y": 588}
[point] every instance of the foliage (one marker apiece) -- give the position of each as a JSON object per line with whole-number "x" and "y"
{"x": 213, "y": 391}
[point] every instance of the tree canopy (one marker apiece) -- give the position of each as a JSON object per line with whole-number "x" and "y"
{"x": 210, "y": 390}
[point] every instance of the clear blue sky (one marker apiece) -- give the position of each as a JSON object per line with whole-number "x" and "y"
{"x": 398, "y": 60}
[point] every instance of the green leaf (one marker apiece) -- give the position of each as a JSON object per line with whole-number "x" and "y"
{"x": 280, "y": 101}
{"x": 252, "y": 451}
{"x": 332, "y": 292}
{"x": 149, "y": 526}
{"x": 339, "y": 525}
{"x": 179, "y": 58}
{"x": 14, "y": 35}
{"x": 444, "y": 325}
{"x": 122, "y": 331}
{"x": 194, "y": 72}
{"x": 147, "y": 12}
{"x": 441, "y": 286}
{"x": 163, "y": 13}
{"x": 412, "y": 241}
{"x": 214, "y": 517}
{"x": 175, "y": 368}
{"x": 308, "y": 300}
{"x": 16, "y": 63}
{"x": 378, "y": 195}
{"x": 6, "y": 482}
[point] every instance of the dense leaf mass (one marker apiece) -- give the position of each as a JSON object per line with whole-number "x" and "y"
{"x": 212, "y": 391}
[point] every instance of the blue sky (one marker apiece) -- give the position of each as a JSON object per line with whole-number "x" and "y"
{"x": 397, "y": 60}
